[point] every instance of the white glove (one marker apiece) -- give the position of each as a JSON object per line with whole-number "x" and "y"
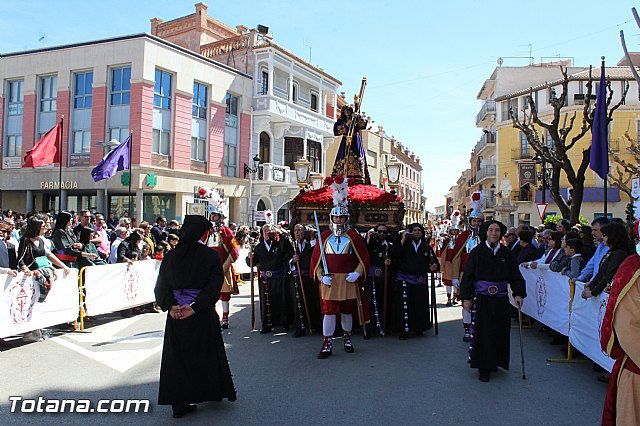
{"x": 326, "y": 280}
{"x": 455, "y": 283}
{"x": 352, "y": 277}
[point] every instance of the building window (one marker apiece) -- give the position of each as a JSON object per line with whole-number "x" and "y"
{"x": 13, "y": 148}
{"x": 504, "y": 105}
{"x": 371, "y": 158}
{"x": 315, "y": 156}
{"x": 81, "y": 142}
{"x": 16, "y": 97}
{"x": 524, "y": 145}
{"x": 314, "y": 102}
{"x": 48, "y": 93}
{"x": 119, "y": 133}
{"x": 160, "y": 142}
{"x": 120, "y": 86}
{"x": 231, "y": 136}
{"x": 264, "y": 82}
{"x": 82, "y": 86}
{"x": 162, "y": 90}
{"x": 198, "y": 149}
{"x": 199, "y": 107}
{"x": 294, "y": 92}
{"x": 265, "y": 148}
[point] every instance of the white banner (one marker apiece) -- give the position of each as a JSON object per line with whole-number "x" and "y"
{"x": 20, "y": 310}
{"x": 547, "y": 298}
{"x": 110, "y": 288}
{"x": 240, "y": 265}
{"x": 586, "y": 320}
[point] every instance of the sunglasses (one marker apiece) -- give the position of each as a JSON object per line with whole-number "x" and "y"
{"x": 383, "y": 232}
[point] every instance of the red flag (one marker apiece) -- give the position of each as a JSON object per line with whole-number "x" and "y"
{"x": 46, "y": 151}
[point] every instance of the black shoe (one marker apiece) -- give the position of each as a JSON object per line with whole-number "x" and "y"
{"x": 181, "y": 411}
{"x": 404, "y": 336}
{"x": 265, "y": 330}
{"x": 225, "y": 324}
{"x": 557, "y": 340}
{"x": 449, "y": 303}
{"x": 484, "y": 375}
{"x": 327, "y": 349}
{"x": 298, "y": 333}
{"x": 348, "y": 346}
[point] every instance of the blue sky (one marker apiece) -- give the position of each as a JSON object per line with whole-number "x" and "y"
{"x": 425, "y": 61}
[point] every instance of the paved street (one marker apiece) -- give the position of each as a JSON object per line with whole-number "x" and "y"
{"x": 279, "y": 380}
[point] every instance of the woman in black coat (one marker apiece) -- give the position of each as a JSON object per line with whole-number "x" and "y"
{"x": 128, "y": 250}
{"x": 64, "y": 240}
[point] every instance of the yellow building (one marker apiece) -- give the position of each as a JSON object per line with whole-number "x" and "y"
{"x": 515, "y": 163}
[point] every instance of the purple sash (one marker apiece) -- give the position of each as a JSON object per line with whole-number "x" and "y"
{"x": 278, "y": 273}
{"x": 412, "y": 279}
{"x": 489, "y": 288}
{"x": 376, "y": 271}
{"x": 186, "y": 296}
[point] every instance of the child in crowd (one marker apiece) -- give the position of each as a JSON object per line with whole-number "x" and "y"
{"x": 573, "y": 248}
{"x": 159, "y": 252}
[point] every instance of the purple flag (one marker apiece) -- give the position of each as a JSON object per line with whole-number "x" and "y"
{"x": 599, "y": 160}
{"x": 117, "y": 159}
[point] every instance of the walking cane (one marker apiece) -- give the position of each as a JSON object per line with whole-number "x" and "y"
{"x": 434, "y": 307}
{"x": 304, "y": 295}
{"x": 521, "y": 347}
{"x": 253, "y": 293}
{"x": 385, "y": 289}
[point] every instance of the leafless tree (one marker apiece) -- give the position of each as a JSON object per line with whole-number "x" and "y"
{"x": 621, "y": 176}
{"x": 555, "y": 151}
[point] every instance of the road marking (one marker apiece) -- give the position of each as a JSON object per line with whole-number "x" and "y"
{"x": 107, "y": 334}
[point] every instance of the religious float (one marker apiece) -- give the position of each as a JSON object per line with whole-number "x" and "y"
{"x": 368, "y": 204}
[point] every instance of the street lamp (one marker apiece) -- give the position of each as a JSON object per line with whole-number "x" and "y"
{"x": 544, "y": 175}
{"x": 316, "y": 180}
{"x": 247, "y": 169}
{"x": 393, "y": 173}
{"x": 302, "y": 167}
{"x": 108, "y": 146}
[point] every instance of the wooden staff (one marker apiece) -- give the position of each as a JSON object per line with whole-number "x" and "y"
{"x": 386, "y": 286}
{"x": 304, "y": 294}
{"x": 253, "y": 292}
{"x": 360, "y": 310}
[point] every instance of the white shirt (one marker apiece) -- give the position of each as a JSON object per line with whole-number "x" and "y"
{"x": 113, "y": 254}
{"x": 267, "y": 245}
{"x": 494, "y": 249}
{"x": 416, "y": 245}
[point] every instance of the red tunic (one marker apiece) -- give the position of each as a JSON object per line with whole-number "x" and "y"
{"x": 625, "y": 278}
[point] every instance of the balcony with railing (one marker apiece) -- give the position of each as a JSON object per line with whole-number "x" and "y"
{"x": 521, "y": 154}
{"x": 484, "y": 172}
{"x": 487, "y": 139}
{"x": 490, "y": 202}
{"x": 274, "y": 174}
{"x": 487, "y": 114}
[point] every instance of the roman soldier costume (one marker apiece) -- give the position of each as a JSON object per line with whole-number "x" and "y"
{"x": 619, "y": 339}
{"x": 451, "y": 256}
{"x": 224, "y": 243}
{"x": 339, "y": 264}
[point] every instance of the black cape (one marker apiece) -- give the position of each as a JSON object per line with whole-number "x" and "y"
{"x": 194, "y": 363}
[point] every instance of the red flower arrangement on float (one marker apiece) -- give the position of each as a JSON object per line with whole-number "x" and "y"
{"x": 358, "y": 194}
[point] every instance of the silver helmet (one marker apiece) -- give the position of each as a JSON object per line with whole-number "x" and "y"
{"x": 339, "y": 228}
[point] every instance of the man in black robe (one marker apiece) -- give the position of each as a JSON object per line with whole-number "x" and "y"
{"x": 302, "y": 257}
{"x": 271, "y": 257}
{"x": 490, "y": 270}
{"x": 194, "y": 363}
{"x": 414, "y": 259}
{"x": 380, "y": 250}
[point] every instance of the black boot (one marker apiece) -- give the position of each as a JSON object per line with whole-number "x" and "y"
{"x": 327, "y": 348}
{"x": 346, "y": 340}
